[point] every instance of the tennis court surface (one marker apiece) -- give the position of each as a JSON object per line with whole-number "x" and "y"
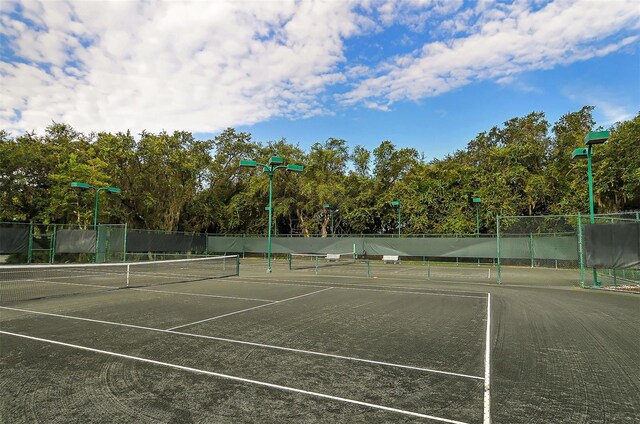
{"x": 305, "y": 347}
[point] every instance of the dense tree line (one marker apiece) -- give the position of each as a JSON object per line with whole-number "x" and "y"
{"x": 175, "y": 182}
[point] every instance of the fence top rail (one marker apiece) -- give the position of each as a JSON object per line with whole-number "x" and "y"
{"x": 582, "y": 215}
{"x": 395, "y": 236}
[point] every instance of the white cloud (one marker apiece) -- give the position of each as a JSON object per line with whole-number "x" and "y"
{"x": 511, "y": 40}
{"x": 157, "y": 65}
{"x": 205, "y": 65}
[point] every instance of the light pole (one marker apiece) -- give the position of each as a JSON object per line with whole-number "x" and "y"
{"x": 275, "y": 162}
{"x": 331, "y": 209}
{"x": 397, "y": 203}
{"x": 477, "y": 201}
{"x": 590, "y": 140}
{"x": 97, "y": 190}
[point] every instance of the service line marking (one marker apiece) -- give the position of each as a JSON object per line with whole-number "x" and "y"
{"x": 243, "y": 342}
{"x": 367, "y": 287}
{"x": 235, "y": 378}
{"x": 246, "y": 310}
{"x": 114, "y": 288}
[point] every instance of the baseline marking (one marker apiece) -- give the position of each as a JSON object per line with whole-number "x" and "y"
{"x": 242, "y": 342}
{"x": 487, "y": 366}
{"x": 245, "y": 310}
{"x": 235, "y": 378}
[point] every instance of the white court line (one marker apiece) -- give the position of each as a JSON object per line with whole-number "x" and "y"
{"x": 68, "y": 284}
{"x": 242, "y": 342}
{"x": 150, "y": 290}
{"x": 234, "y": 378}
{"x": 487, "y": 366}
{"x": 401, "y": 279}
{"x": 339, "y": 285}
{"x": 375, "y": 285}
{"x": 245, "y": 310}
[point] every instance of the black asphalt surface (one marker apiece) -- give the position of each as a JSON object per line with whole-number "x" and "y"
{"x": 559, "y": 353}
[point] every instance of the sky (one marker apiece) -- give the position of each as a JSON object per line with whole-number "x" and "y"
{"x": 427, "y": 74}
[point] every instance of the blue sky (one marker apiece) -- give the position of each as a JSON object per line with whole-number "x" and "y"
{"x": 427, "y": 74}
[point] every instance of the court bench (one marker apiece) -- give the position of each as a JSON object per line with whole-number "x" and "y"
{"x": 391, "y": 258}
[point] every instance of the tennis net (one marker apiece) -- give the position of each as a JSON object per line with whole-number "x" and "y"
{"x": 27, "y": 282}
{"x": 319, "y": 260}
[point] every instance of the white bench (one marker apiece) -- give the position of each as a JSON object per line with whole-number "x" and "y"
{"x": 333, "y": 256}
{"x": 391, "y": 258}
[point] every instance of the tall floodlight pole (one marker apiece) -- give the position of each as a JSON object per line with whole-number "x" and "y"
{"x": 97, "y": 193}
{"x": 97, "y": 190}
{"x": 275, "y": 163}
{"x": 590, "y": 140}
{"x": 477, "y": 201}
{"x": 330, "y": 208}
{"x": 397, "y": 203}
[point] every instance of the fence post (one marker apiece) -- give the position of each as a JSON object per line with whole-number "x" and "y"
{"x": 499, "y": 268}
{"x": 124, "y": 244}
{"x": 30, "y": 244}
{"x": 52, "y": 246}
{"x": 580, "y": 251}
{"x": 531, "y": 252}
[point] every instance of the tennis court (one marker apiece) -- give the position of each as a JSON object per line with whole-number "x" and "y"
{"x": 300, "y": 347}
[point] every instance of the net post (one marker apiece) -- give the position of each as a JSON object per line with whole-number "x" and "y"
{"x": 128, "y": 273}
{"x": 368, "y": 268}
{"x": 316, "y": 267}
{"x": 237, "y": 265}
{"x": 499, "y": 267}
{"x": 580, "y": 251}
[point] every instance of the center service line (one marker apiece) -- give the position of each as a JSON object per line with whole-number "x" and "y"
{"x": 234, "y": 378}
{"x": 245, "y": 310}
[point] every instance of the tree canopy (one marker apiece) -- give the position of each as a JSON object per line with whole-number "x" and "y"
{"x": 176, "y": 182}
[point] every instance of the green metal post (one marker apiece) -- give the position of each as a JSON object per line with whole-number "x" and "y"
{"x": 596, "y": 283}
{"x": 52, "y": 246}
{"x": 580, "y": 251}
{"x": 590, "y": 176}
{"x": 30, "y": 245}
{"x": 399, "y": 222}
{"x": 499, "y": 268}
{"x": 124, "y": 244}
{"x": 531, "y": 248}
{"x": 477, "y": 221}
{"x": 270, "y": 211}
